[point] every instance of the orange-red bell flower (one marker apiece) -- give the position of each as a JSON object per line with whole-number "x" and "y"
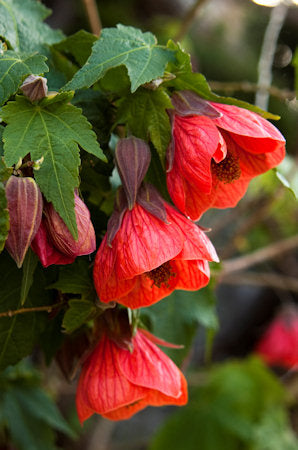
{"x": 216, "y": 149}
{"x": 149, "y": 258}
{"x": 116, "y": 383}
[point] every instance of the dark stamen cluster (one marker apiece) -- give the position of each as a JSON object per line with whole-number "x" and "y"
{"x": 228, "y": 170}
{"x": 161, "y": 275}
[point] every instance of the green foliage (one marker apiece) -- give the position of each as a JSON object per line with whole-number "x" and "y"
{"x": 29, "y": 266}
{"x": 149, "y": 107}
{"x": 1, "y": 142}
{"x": 139, "y": 52}
{"x": 185, "y": 78}
{"x": 176, "y": 319}
{"x": 22, "y": 28}
{"x": 230, "y": 411}
{"x": 77, "y": 45}
{"x": 52, "y": 129}
{"x": 30, "y": 415}
{"x": 76, "y": 279}
{"x": 19, "y": 333}
{"x": 295, "y": 64}
{"x": 15, "y": 67}
{"x": 4, "y": 216}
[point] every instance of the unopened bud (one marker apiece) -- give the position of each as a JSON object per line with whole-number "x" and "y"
{"x": 24, "y": 202}
{"x": 61, "y": 236}
{"x": 35, "y": 88}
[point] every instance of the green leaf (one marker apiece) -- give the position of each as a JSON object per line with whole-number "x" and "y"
{"x": 75, "y": 278}
{"x": 22, "y": 27}
{"x": 14, "y": 67}
{"x": 295, "y": 64}
{"x": 145, "y": 115}
{"x": 185, "y": 78}
{"x": 176, "y": 318}
{"x": 29, "y": 266}
{"x": 78, "y": 313}
{"x": 1, "y": 142}
{"x": 287, "y": 169}
{"x": 227, "y": 411}
{"x": 52, "y": 129}
{"x": 138, "y": 51}
{"x": 77, "y": 45}
{"x": 4, "y": 216}
{"x": 19, "y": 333}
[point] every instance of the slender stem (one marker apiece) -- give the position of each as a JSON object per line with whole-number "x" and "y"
{"x": 259, "y": 256}
{"x": 245, "y": 86}
{"x": 48, "y": 308}
{"x": 93, "y": 16}
{"x": 277, "y": 18}
{"x": 272, "y": 280}
{"x": 188, "y": 19}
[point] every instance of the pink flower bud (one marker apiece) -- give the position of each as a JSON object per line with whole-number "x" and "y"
{"x": 61, "y": 236}
{"x": 25, "y": 209}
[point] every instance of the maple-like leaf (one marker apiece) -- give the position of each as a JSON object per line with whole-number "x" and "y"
{"x": 14, "y": 67}
{"x": 51, "y": 129}
{"x": 22, "y": 27}
{"x": 4, "y": 216}
{"x": 139, "y": 52}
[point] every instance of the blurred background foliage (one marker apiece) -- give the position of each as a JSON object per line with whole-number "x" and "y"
{"x": 236, "y": 402}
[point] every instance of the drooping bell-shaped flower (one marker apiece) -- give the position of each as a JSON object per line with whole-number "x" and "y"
{"x": 54, "y": 243}
{"x": 215, "y": 151}
{"x": 118, "y": 380}
{"x": 279, "y": 344}
{"x": 150, "y": 249}
{"x": 24, "y": 203}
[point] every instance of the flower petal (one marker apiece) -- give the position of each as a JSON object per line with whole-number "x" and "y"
{"x": 149, "y": 367}
{"x": 193, "y": 275}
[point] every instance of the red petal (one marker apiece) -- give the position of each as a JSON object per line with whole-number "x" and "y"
{"x": 145, "y": 293}
{"x": 144, "y": 243}
{"x": 196, "y": 245}
{"x": 45, "y": 250}
{"x": 193, "y": 275}
{"x": 196, "y": 141}
{"x": 149, "y": 367}
{"x": 175, "y": 184}
{"x": 102, "y": 385}
{"x": 221, "y": 151}
{"x": 245, "y": 123}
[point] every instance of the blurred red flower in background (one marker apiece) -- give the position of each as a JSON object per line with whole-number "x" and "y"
{"x": 279, "y": 344}
{"x": 116, "y": 382}
{"x": 215, "y": 151}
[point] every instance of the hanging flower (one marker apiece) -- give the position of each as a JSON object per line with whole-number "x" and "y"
{"x": 117, "y": 382}
{"x": 53, "y": 242}
{"x": 279, "y": 344}
{"x": 215, "y": 151}
{"x": 150, "y": 249}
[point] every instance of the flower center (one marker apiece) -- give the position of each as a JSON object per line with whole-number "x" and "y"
{"x": 161, "y": 275}
{"x": 228, "y": 170}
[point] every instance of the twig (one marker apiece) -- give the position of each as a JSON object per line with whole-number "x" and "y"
{"x": 259, "y": 256}
{"x": 261, "y": 279}
{"x": 245, "y": 86}
{"x": 93, "y": 16}
{"x": 277, "y": 17}
{"x": 48, "y": 308}
{"x": 188, "y": 19}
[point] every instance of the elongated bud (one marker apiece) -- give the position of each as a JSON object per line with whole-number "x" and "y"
{"x": 132, "y": 160}
{"x": 61, "y": 236}
{"x": 35, "y": 88}
{"x": 188, "y": 103}
{"x": 25, "y": 210}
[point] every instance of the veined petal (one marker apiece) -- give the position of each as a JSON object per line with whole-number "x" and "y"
{"x": 196, "y": 245}
{"x": 193, "y": 275}
{"x": 144, "y": 243}
{"x": 221, "y": 151}
{"x": 175, "y": 184}
{"x": 145, "y": 293}
{"x": 245, "y": 123}
{"x": 149, "y": 367}
{"x": 127, "y": 411}
{"x": 114, "y": 288}
{"x": 102, "y": 387}
{"x": 196, "y": 141}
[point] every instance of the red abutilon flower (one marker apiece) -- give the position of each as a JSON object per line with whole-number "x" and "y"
{"x": 216, "y": 149}
{"x": 279, "y": 344}
{"x": 53, "y": 241}
{"x": 117, "y": 382}
{"x": 150, "y": 249}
